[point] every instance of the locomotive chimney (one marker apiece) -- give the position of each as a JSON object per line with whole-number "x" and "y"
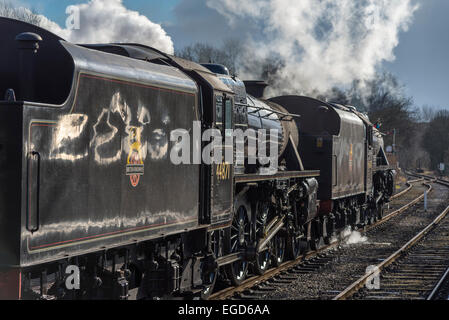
{"x": 256, "y": 88}
{"x": 28, "y": 45}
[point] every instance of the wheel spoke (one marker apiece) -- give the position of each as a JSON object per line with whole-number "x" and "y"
{"x": 238, "y": 238}
{"x": 234, "y": 246}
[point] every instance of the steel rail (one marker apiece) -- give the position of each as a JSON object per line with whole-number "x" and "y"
{"x": 255, "y": 280}
{"x": 402, "y": 209}
{"x": 438, "y": 286}
{"x": 409, "y": 185}
{"x": 445, "y": 276}
{"x": 358, "y": 284}
{"x": 400, "y": 194}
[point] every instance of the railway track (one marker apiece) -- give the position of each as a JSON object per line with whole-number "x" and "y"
{"x": 258, "y": 286}
{"x": 418, "y": 270}
{"x": 441, "y": 290}
{"x": 409, "y": 185}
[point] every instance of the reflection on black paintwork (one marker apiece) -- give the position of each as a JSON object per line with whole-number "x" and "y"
{"x": 68, "y": 138}
{"x": 135, "y": 120}
{"x": 158, "y": 146}
{"x": 105, "y": 135}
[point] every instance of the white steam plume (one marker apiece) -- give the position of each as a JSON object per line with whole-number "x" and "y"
{"x": 103, "y": 21}
{"x": 321, "y": 43}
{"x": 353, "y": 237}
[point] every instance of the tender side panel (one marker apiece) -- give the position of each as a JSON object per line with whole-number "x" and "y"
{"x": 105, "y": 170}
{"x": 369, "y": 170}
{"x": 317, "y": 153}
{"x": 349, "y": 149}
{"x": 10, "y": 183}
{"x": 318, "y": 124}
{"x": 333, "y": 141}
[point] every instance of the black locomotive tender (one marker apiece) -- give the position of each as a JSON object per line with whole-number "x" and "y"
{"x": 86, "y": 178}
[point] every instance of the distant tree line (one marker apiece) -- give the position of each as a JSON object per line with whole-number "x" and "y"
{"x": 228, "y": 54}
{"x": 436, "y": 138}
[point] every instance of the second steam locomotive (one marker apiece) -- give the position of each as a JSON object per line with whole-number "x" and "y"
{"x": 87, "y": 182}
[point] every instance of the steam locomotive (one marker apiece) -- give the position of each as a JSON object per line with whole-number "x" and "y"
{"x": 92, "y": 207}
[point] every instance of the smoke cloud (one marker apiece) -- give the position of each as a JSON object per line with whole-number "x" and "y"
{"x": 103, "y": 21}
{"x": 317, "y": 45}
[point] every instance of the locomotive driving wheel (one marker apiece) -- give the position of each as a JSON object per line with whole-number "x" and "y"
{"x": 331, "y": 233}
{"x": 374, "y": 215}
{"x": 380, "y": 212}
{"x": 296, "y": 245}
{"x": 278, "y": 244}
{"x": 238, "y": 238}
{"x": 210, "y": 277}
{"x": 365, "y": 215}
{"x": 296, "y": 242}
{"x": 262, "y": 259}
{"x": 316, "y": 242}
{"x": 209, "y": 288}
{"x": 371, "y": 214}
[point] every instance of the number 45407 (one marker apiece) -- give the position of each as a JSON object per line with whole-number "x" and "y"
{"x": 223, "y": 171}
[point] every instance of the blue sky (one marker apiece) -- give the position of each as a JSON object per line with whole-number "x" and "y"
{"x": 422, "y": 59}
{"x": 160, "y": 11}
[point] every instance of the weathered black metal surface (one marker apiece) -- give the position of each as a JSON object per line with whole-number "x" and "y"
{"x": 332, "y": 140}
{"x": 10, "y": 182}
{"x": 52, "y": 81}
{"x": 104, "y": 165}
{"x": 94, "y": 171}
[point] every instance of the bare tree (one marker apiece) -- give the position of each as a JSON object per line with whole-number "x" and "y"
{"x": 388, "y": 104}
{"x": 428, "y": 113}
{"x": 8, "y": 10}
{"x": 436, "y": 138}
{"x": 228, "y": 54}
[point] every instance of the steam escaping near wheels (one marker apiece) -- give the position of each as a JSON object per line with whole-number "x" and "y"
{"x": 350, "y": 236}
{"x": 354, "y": 237}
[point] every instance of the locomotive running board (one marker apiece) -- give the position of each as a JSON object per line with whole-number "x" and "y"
{"x": 245, "y": 178}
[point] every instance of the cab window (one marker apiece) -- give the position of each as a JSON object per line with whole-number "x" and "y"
{"x": 219, "y": 110}
{"x": 228, "y": 117}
